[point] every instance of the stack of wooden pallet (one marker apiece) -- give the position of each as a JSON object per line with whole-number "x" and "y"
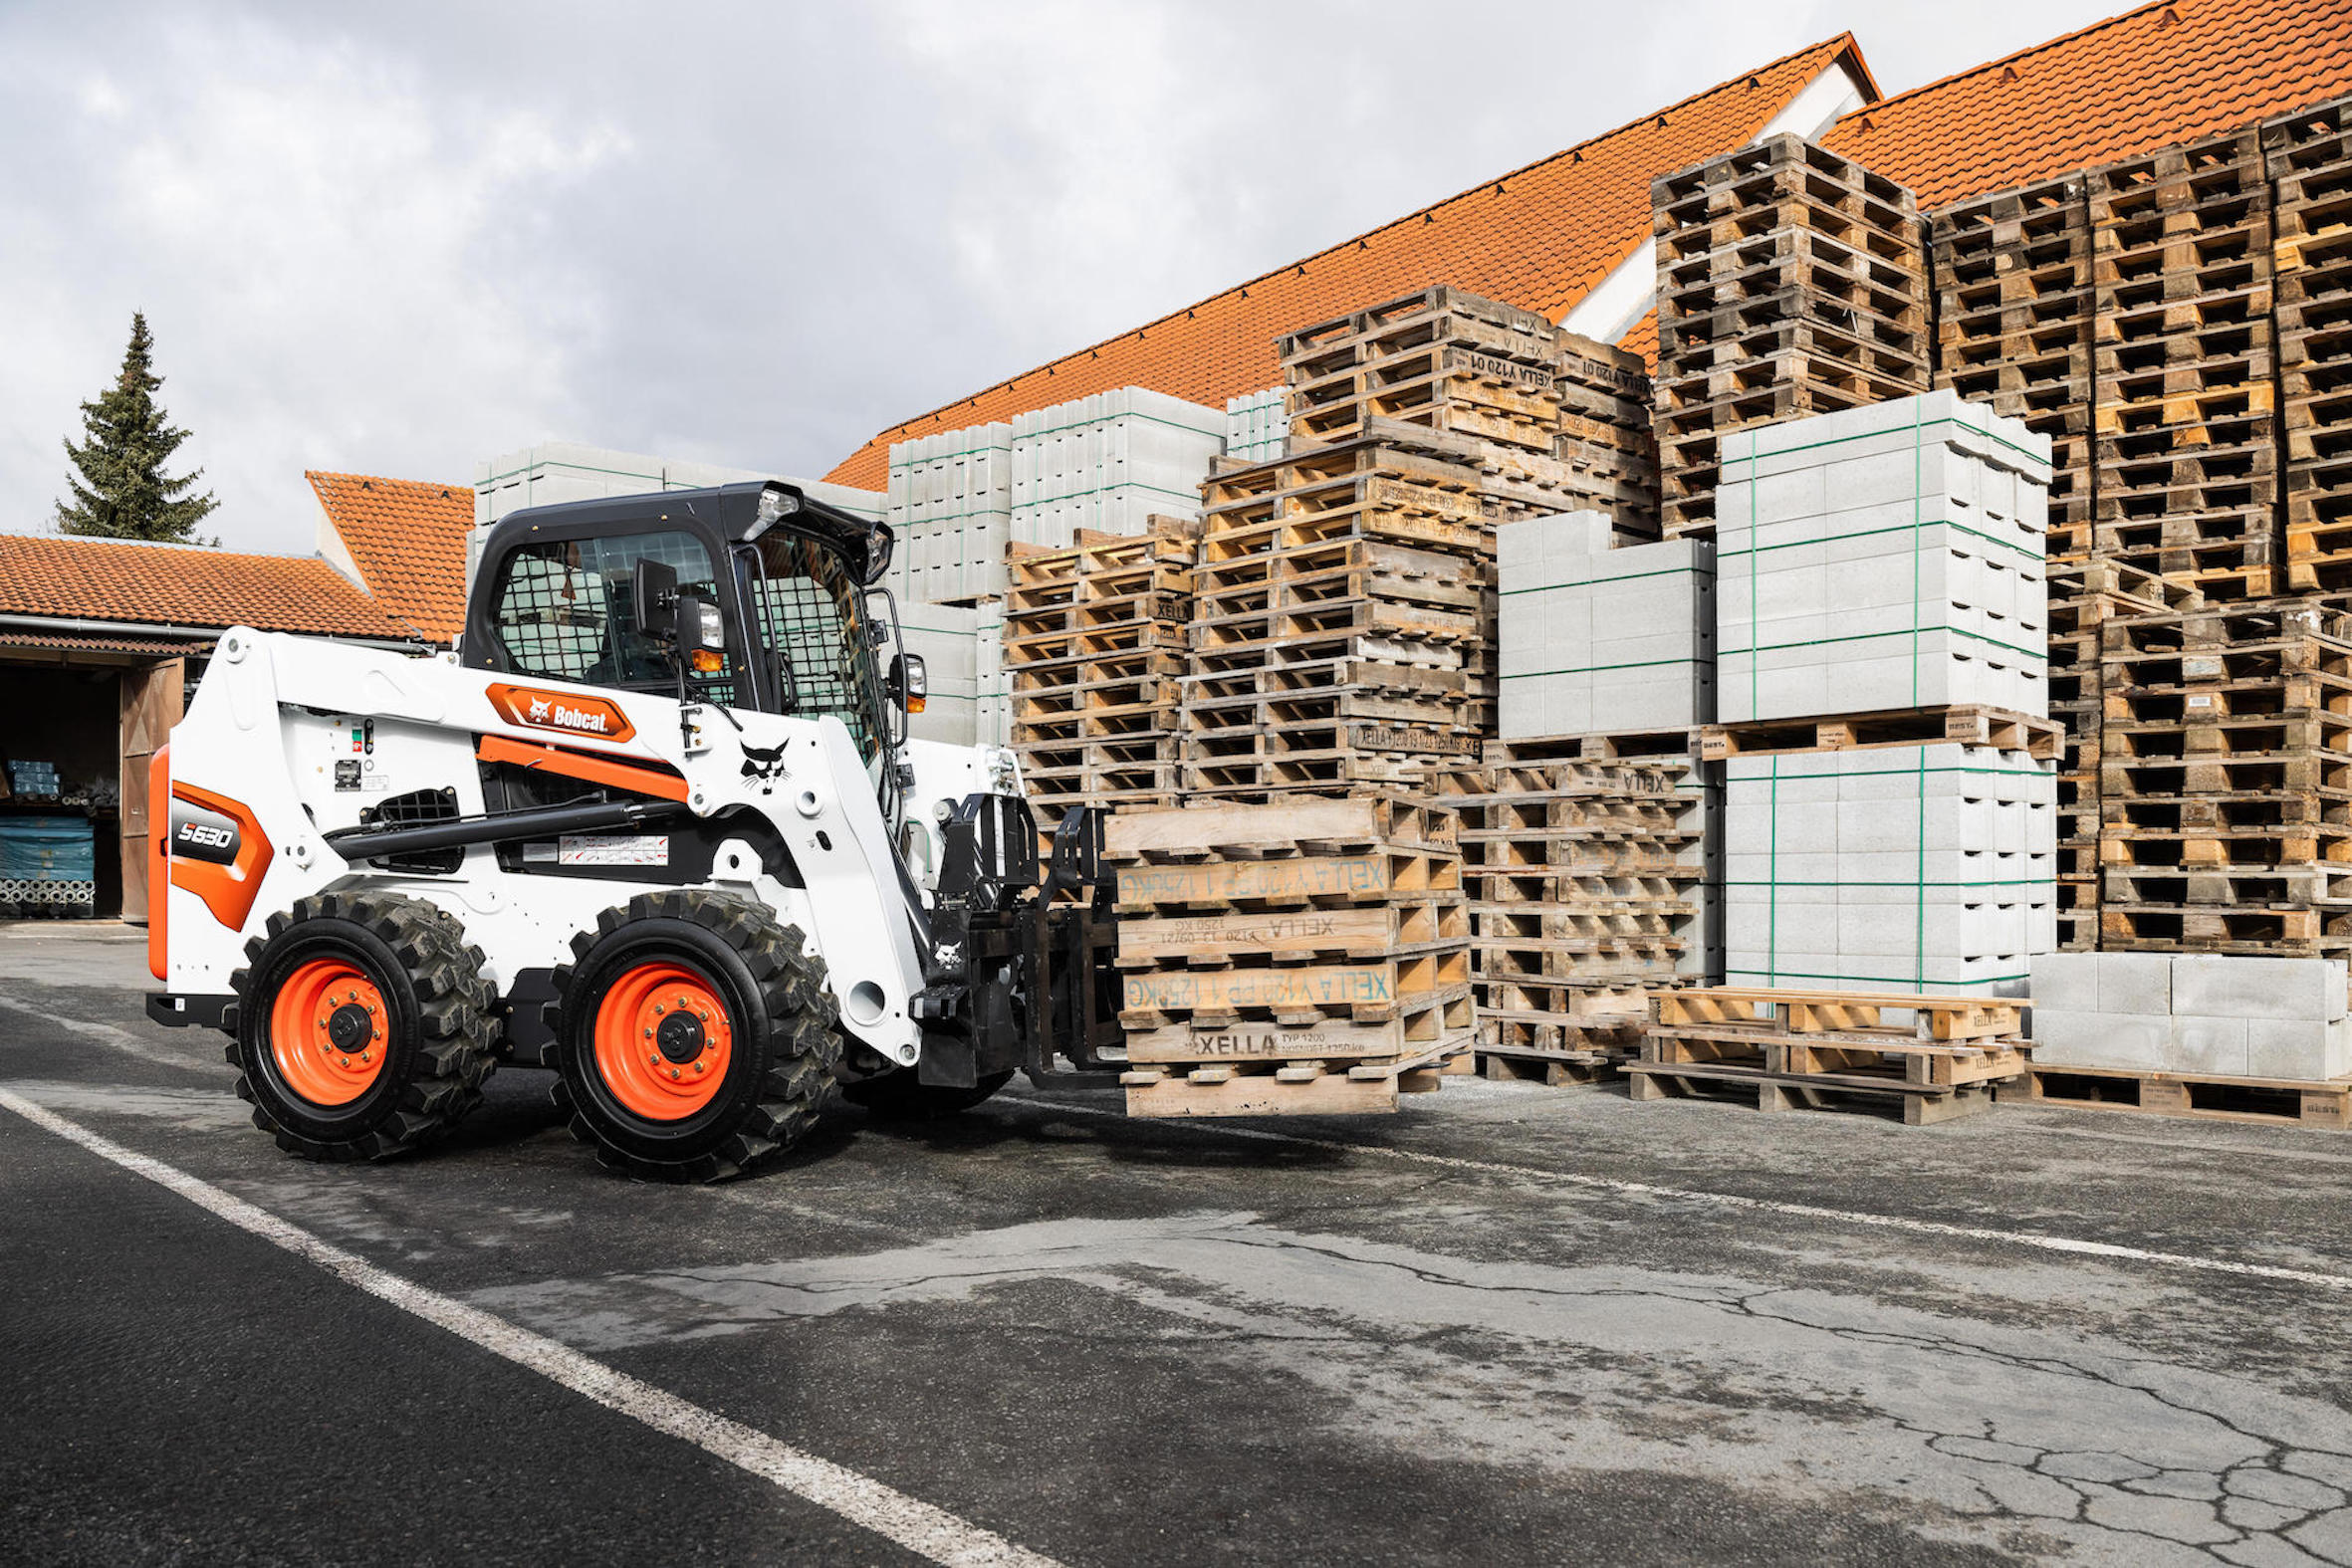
{"x": 1094, "y": 644}
{"x": 1559, "y": 420}
{"x": 1307, "y": 958}
{"x": 1784, "y": 1050}
{"x": 1606, "y": 441}
{"x": 1791, "y": 282}
{"x": 2188, "y": 477}
{"x": 2013, "y": 312}
{"x": 1586, "y": 882}
{"x": 2309, "y": 159}
{"x": 2084, "y": 595}
{"x": 1342, "y": 623}
{"x": 2226, "y": 783}
{"x": 1438, "y": 360}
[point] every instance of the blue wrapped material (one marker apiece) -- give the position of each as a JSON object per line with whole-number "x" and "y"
{"x": 46, "y": 849}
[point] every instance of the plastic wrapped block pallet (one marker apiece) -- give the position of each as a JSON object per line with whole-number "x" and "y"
{"x": 2194, "y": 1012}
{"x": 1880, "y": 557}
{"x": 951, "y": 504}
{"x": 557, "y": 471}
{"x": 1889, "y": 868}
{"x": 1591, "y": 639}
{"x": 1110, "y": 462}
{"x": 1257, "y": 425}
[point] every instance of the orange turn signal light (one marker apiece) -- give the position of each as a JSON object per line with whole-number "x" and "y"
{"x": 916, "y": 704}
{"x": 709, "y": 661}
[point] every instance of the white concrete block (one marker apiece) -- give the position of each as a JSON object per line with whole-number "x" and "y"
{"x": 2257, "y": 987}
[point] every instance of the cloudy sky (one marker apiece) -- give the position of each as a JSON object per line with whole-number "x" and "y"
{"x": 401, "y": 237}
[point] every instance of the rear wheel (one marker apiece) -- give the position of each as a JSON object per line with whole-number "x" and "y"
{"x": 362, "y": 1026}
{"x": 694, "y": 1037}
{"x": 899, "y": 1097}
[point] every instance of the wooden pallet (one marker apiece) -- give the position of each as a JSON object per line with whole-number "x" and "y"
{"x": 1790, "y": 1049}
{"x": 2211, "y": 1097}
{"x": 1552, "y": 1070}
{"x": 1305, "y": 1087}
{"x": 1965, "y": 724}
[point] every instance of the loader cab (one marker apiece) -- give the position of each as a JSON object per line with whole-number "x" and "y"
{"x": 803, "y": 627}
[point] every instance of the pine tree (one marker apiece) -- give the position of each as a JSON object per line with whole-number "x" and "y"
{"x": 121, "y": 491}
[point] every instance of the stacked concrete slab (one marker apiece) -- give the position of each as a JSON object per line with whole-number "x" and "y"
{"x": 1880, "y": 557}
{"x": 1594, "y": 638}
{"x": 951, "y": 503}
{"x": 1109, "y": 463}
{"x": 2181, "y": 1012}
{"x": 557, "y": 471}
{"x": 1256, "y": 426}
{"x": 1921, "y": 868}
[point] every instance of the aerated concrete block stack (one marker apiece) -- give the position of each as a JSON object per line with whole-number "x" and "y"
{"x": 556, "y": 471}
{"x": 1909, "y": 868}
{"x": 1256, "y": 426}
{"x": 951, "y": 503}
{"x": 2213, "y": 1014}
{"x": 1882, "y": 557}
{"x": 947, "y": 637}
{"x": 1110, "y": 462}
{"x": 1594, "y": 639}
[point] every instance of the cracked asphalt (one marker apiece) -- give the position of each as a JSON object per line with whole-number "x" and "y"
{"x": 1511, "y": 1324}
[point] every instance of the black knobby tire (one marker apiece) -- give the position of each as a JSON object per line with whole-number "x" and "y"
{"x": 439, "y": 1036}
{"x": 778, "y": 1077}
{"x": 900, "y": 1097}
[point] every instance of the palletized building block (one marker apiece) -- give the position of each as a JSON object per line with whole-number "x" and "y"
{"x": 1594, "y": 639}
{"x": 1880, "y": 557}
{"x": 1108, "y": 463}
{"x": 2217, "y": 1014}
{"x": 1890, "y": 868}
{"x": 951, "y": 505}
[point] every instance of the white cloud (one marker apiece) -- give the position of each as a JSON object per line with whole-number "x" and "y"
{"x": 404, "y": 239}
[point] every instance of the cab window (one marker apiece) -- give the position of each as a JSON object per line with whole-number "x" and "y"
{"x": 566, "y": 610}
{"x": 812, "y": 614}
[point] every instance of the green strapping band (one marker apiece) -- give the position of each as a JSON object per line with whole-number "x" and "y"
{"x": 1774, "y": 976}
{"x": 1946, "y": 422}
{"x": 1590, "y": 582}
{"x": 2012, "y": 545}
{"x": 1911, "y": 631}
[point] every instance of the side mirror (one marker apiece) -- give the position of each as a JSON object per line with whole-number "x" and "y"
{"x": 655, "y": 591}
{"x": 908, "y": 682}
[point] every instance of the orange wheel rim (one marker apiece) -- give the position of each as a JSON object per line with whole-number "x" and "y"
{"x": 663, "y": 1041}
{"x": 329, "y": 1031}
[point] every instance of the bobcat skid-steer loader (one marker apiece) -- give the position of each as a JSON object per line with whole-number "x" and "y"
{"x": 655, "y": 823}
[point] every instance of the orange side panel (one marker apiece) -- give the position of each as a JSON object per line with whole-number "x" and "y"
{"x": 572, "y": 765}
{"x": 229, "y": 889}
{"x": 158, "y": 861}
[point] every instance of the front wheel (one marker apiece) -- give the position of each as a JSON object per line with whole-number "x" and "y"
{"x": 693, "y": 1036}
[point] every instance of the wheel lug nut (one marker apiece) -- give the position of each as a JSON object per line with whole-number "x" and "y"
{"x": 346, "y": 1061}
{"x": 673, "y": 1072}
{"x": 699, "y": 1066}
{"x": 648, "y": 1033}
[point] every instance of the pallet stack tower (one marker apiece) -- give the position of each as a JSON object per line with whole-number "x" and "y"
{"x": 1791, "y": 282}
{"x": 1311, "y": 958}
{"x": 2226, "y": 776}
{"x": 1094, "y": 644}
{"x": 2185, "y": 450}
{"x": 2309, "y": 160}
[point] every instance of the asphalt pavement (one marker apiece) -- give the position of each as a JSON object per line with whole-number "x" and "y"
{"x": 1510, "y": 1324}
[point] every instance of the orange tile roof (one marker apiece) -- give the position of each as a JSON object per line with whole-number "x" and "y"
{"x": 1538, "y": 237}
{"x": 2162, "y": 73}
{"x": 114, "y": 579}
{"x": 408, "y": 540}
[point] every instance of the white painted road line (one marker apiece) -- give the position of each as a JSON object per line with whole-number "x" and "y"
{"x": 918, "y": 1527}
{"x": 2033, "y": 1239}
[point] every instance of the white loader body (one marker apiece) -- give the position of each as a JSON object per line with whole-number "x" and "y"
{"x": 289, "y": 740}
